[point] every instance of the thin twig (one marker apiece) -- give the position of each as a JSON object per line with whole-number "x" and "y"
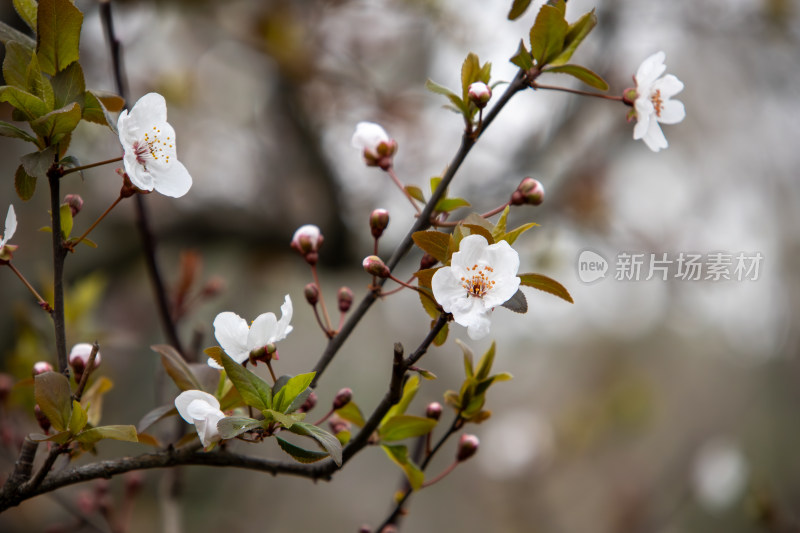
{"x": 44, "y": 304}
{"x": 85, "y": 376}
{"x": 92, "y": 165}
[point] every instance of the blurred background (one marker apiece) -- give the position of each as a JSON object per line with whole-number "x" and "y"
{"x": 647, "y": 406}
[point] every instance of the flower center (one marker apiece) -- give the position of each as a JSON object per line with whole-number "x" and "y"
{"x": 480, "y": 283}
{"x": 152, "y": 147}
{"x": 658, "y": 103}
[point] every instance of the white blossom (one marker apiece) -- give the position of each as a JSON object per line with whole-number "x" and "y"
{"x": 653, "y": 102}
{"x": 150, "y": 159}
{"x": 9, "y": 230}
{"x": 80, "y": 354}
{"x": 375, "y": 144}
{"x": 202, "y": 410}
{"x": 238, "y": 339}
{"x": 480, "y": 277}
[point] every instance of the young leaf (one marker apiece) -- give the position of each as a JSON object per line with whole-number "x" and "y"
{"x": 69, "y": 85}
{"x": 15, "y": 65}
{"x": 287, "y": 421}
{"x": 66, "y": 220}
{"x": 477, "y": 220}
{"x": 582, "y": 73}
{"x": 517, "y": 303}
{"x": 233, "y": 426}
{"x": 438, "y": 341}
{"x": 518, "y": 8}
{"x": 328, "y": 441}
{"x": 301, "y": 455}
{"x": 62, "y": 437}
{"x": 93, "y": 435}
{"x": 51, "y": 391}
{"x": 351, "y": 413}
{"x": 445, "y": 205}
{"x": 54, "y": 125}
{"x": 95, "y": 110}
{"x": 470, "y": 71}
{"x": 409, "y": 391}
{"x": 512, "y": 235}
{"x": 10, "y": 130}
{"x": 30, "y": 106}
{"x": 543, "y": 283}
{"x": 500, "y": 228}
{"x": 38, "y": 85}
{"x": 176, "y": 367}
{"x": 405, "y": 426}
{"x": 159, "y": 413}
{"x": 58, "y": 32}
{"x": 24, "y": 184}
{"x": 111, "y": 101}
{"x": 9, "y": 34}
{"x": 434, "y": 87}
{"x": 284, "y": 397}
{"x": 93, "y": 399}
{"x": 78, "y": 419}
{"x": 547, "y": 34}
{"x": 255, "y": 391}
{"x": 468, "y": 358}
{"x": 575, "y": 35}
{"x": 399, "y": 455}
{"x": 433, "y": 242}
{"x": 485, "y": 364}
{"x": 475, "y": 229}
{"x": 26, "y": 9}
{"x": 415, "y": 192}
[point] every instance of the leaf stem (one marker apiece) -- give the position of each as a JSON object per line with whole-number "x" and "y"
{"x": 535, "y": 86}
{"x": 397, "y": 182}
{"x": 73, "y": 243}
{"x": 85, "y": 167}
{"x": 328, "y": 325}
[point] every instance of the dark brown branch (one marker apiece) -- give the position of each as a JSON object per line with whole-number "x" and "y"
{"x": 59, "y": 255}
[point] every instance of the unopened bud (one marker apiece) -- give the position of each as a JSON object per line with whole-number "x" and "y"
{"x": 378, "y": 221}
{"x": 264, "y": 354}
{"x": 434, "y": 410}
{"x": 345, "y": 298}
{"x": 375, "y": 144}
{"x": 629, "y": 96}
{"x": 365, "y": 529}
{"x": 213, "y": 286}
{"x": 479, "y": 93}
{"x": 75, "y": 203}
{"x": 44, "y": 422}
{"x": 338, "y": 424}
{"x": 375, "y": 266}
{"x": 307, "y": 241}
{"x": 342, "y": 398}
{"x": 79, "y": 359}
{"x": 134, "y": 481}
{"x": 128, "y": 189}
{"x": 391, "y": 528}
{"x": 427, "y": 261}
{"x": 529, "y": 191}
{"x": 467, "y": 447}
{"x": 309, "y": 404}
{"x": 312, "y": 293}
{"x": 41, "y": 367}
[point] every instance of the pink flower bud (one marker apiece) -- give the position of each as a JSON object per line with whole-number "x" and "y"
{"x": 375, "y": 145}
{"x": 312, "y": 293}
{"x": 338, "y": 424}
{"x": 378, "y": 221}
{"x": 427, "y": 261}
{"x": 75, "y": 203}
{"x": 79, "y": 359}
{"x": 345, "y": 298}
{"x": 342, "y": 398}
{"x": 529, "y": 191}
{"x": 307, "y": 241}
{"x": 434, "y": 410}
{"x": 41, "y": 418}
{"x": 467, "y": 447}
{"x": 479, "y": 93}
{"x": 309, "y": 404}
{"x": 375, "y": 266}
{"x": 41, "y": 367}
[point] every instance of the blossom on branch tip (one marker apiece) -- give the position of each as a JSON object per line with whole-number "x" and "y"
{"x": 239, "y": 340}
{"x": 79, "y": 358}
{"x": 375, "y": 144}
{"x": 202, "y": 410}
{"x": 8, "y": 232}
{"x": 479, "y": 93}
{"x": 150, "y": 159}
{"x": 480, "y": 277}
{"x": 653, "y": 103}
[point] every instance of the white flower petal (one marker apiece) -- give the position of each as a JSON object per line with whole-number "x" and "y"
{"x": 262, "y": 331}
{"x": 447, "y": 288}
{"x": 503, "y": 289}
{"x": 479, "y": 328}
{"x": 669, "y": 86}
{"x": 368, "y": 135}
{"x": 654, "y": 138}
{"x": 186, "y": 398}
{"x": 650, "y": 69}
{"x": 149, "y": 109}
{"x": 284, "y": 328}
{"x": 470, "y": 251}
{"x": 672, "y": 112}
{"x": 231, "y": 332}
{"x": 173, "y": 180}
{"x": 11, "y": 226}
{"x": 503, "y": 259}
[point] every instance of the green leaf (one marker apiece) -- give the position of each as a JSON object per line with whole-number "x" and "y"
{"x": 433, "y": 242}
{"x": 351, "y": 413}
{"x": 8, "y": 34}
{"x": 409, "y": 391}
{"x": 94, "y": 110}
{"x": 93, "y": 435}
{"x": 512, "y": 236}
{"x": 26, "y": 9}
{"x": 177, "y": 368}
{"x": 475, "y": 229}
{"x": 485, "y": 364}
{"x": 582, "y": 73}
{"x": 61, "y": 437}
{"x": 58, "y": 33}
{"x": 78, "y": 419}
{"x": 405, "y": 426}
{"x": 435, "y": 181}
{"x": 112, "y": 102}
{"x": 29, "y": 105}
{"x": 477, "y": 220}
{"x": 328, "y": 441}
{"x": 10, "y": 130}
{"x": 468, "y": 358}
{"x": 287, "y": 421}
{"x": 547, "y": 34}
{"x": 517, "y": 303}
{"x": 470, "y": 71}
{"x": 434, "y": 87}
{"x": 500, "y": 228}
{"x": 52, "y": 393}
{"x": 159, "y": 413}
{"x": 518, "y": 8}
{"x": 301, "y": 455}
{"x": 445, "y": 205}
{"x": 55, "y": 125}
{"x": 233, "y": 426}
{"x": 38, "y": 85}
{"x": 255, "y": 391}
{"x": 399, "y": 455}
{"x": 543, "y": 283}
{"x": 24, "y": 183}
{"x": 69, "y": 86}
{"x": 575, "y": 35}
{"x": 284, "y": 397}
{"x": 439, "y": 340}
{"x": 522, "y": 58}
{"x": 93, "y": 399}
{"x": 15, "y": 65}
{"x": 415, "y": 192}
{"x": 65, "y": 214}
